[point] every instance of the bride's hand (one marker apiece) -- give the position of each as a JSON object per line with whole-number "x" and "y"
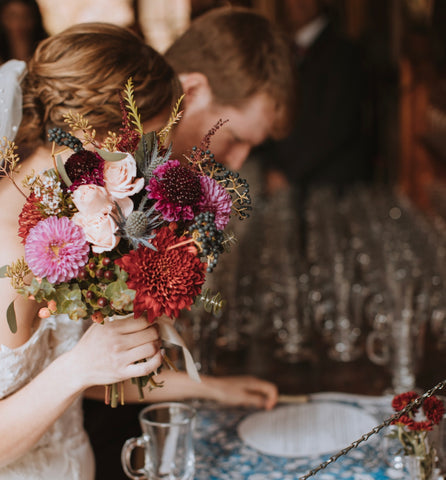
{"x": 107, "y": 353}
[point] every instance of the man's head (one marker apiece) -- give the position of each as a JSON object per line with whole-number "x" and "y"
{"x": 233, "y": 65}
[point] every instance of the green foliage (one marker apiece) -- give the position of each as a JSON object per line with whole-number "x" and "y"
{"x": 11, "y": 318}
{"x": 111, "y": 156}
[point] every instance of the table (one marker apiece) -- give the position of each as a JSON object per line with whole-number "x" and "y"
{"x": 222, "y": 455}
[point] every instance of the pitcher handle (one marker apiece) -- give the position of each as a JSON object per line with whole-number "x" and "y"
{"x": 382, "y": 358}
{"x": 126, "y": 458}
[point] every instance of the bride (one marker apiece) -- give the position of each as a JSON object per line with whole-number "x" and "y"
{"x": 49, "y": 363}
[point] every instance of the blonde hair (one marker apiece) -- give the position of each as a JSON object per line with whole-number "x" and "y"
{"x": 82, "y": 69}
{"x": 241, "y": 53}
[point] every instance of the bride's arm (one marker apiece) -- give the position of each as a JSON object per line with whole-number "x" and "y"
{"x": 235, "y": 390}
{"x": 105, "y": 354}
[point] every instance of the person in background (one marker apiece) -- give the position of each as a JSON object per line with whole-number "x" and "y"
{"x": 21, "y": 29}
{"x": 234, "y": 65}
{"x": 326, "y": 144}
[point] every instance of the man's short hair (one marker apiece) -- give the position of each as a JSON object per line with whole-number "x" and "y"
{"x": 241, "y": 53}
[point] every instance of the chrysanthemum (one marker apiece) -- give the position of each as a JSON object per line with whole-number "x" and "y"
{"x": 56, "y": 248}
{"x": 84, "y": 168}
{"x": 434, "y": 410}
{"x": 165, "y": 281}
{"x": 215, "y": 199}
{"x": 29, "y": 217}
{"x": 177, "y": 190}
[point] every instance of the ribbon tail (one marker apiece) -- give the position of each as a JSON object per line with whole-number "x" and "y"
{"x": 169, "y": 334}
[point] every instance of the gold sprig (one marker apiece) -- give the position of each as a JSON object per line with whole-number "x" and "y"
{"x": 131, "y": 105}
{"x": 111, "y": 142}
{"x": 174, "y": 118}
{"x": 17, "y": 272}
{"x": 211, "y": 303}
{"x": 9, "y": 161}
{"x": 76, "y": 121}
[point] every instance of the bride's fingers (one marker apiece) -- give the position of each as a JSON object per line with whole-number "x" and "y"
{"x": 131, "y": 324}
{"x": 144, "y": 368}
{"x": 134, "y": 339}
{"x": 141, "y": 352}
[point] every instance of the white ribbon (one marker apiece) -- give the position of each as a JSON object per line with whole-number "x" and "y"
{"x": 11, "y": 75}
{"x": 169, "y": 334}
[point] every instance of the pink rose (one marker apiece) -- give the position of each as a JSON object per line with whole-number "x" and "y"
{"x": 99, "y": 229}
{"x": 119, "y": 178}
{"x": 91, "y": 199}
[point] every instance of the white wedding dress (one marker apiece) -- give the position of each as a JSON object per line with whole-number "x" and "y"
{"x": 64, "y": 451}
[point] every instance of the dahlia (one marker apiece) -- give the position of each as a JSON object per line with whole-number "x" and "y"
{"x": 84, "y": 168}
{"x": 165, "y": 281}
{"x": 29, "y": 217}
{"x": 56, "y": 248}
{"x": 216, "y": 200}
{"x": 177, "y": 190}
{"x": 434, "y": 410}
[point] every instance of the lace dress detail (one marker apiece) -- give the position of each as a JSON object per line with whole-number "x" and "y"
{"x": 64, "y": 451}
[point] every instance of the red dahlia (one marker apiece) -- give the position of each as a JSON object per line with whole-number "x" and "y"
{"x": 165, "y": 281}
{"x": 29, "y": 217}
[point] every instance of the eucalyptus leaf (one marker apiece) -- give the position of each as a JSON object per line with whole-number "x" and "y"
{"x": 62, "y": 171}
{"x": 111, "y": 156}
{"x": 10, "y": 316}
{"x": 3, "y": 271}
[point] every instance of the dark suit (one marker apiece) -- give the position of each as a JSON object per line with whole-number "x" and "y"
{"x": 326, "y": 144}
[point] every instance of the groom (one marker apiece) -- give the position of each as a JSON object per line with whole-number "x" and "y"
{"x": 233, "y": 65}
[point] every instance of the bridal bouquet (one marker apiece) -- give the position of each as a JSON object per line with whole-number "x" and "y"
{"x": 121, "y": 228}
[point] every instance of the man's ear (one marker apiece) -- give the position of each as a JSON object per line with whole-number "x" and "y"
{"x": 198, "y": 94}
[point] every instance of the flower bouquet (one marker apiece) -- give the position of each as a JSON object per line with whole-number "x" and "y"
{"x": 412, "y": 432}
{"x": 119, "y": 227}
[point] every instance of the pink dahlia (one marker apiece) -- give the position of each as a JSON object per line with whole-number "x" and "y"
{"x": 177, "y": 190}
{"x": 56, "y": 248}
{"x": 216, "y": 200}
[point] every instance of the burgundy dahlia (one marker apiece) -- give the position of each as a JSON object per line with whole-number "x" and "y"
{"x": 177, "y": 190}
{"x": 85, "y": 167}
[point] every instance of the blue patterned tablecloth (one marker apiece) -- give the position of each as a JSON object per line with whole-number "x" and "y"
{"x": 222, "y": 455}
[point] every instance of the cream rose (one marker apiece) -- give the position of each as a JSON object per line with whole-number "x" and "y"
{"x": 119, "y": 178}
{"x": 91, "y": 199}
{"x": 100, "y": 229}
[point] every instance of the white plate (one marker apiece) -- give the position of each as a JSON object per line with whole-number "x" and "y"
{"x": 315, "y": 428}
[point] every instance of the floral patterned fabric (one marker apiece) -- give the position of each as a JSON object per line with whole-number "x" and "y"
{"x": 221, "y": 454}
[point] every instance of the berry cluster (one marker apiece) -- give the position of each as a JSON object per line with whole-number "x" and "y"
{"x": 64, "y": 139}
{"x": 101, "y": 268}
{"x": 208, "y": 237}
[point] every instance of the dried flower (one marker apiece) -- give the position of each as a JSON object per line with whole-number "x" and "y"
{"x": 56, "y": 248}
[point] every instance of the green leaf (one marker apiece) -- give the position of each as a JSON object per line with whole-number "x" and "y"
{"x": 111, "y": 156}
{"x": 149, "y": 140}
{"x": 3, "y": 271}
{"x": 62, "y": 171}
{"x": 10, "y": 316}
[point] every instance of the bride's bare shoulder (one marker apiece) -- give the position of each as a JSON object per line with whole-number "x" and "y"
{"x": 12, "y": 199}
